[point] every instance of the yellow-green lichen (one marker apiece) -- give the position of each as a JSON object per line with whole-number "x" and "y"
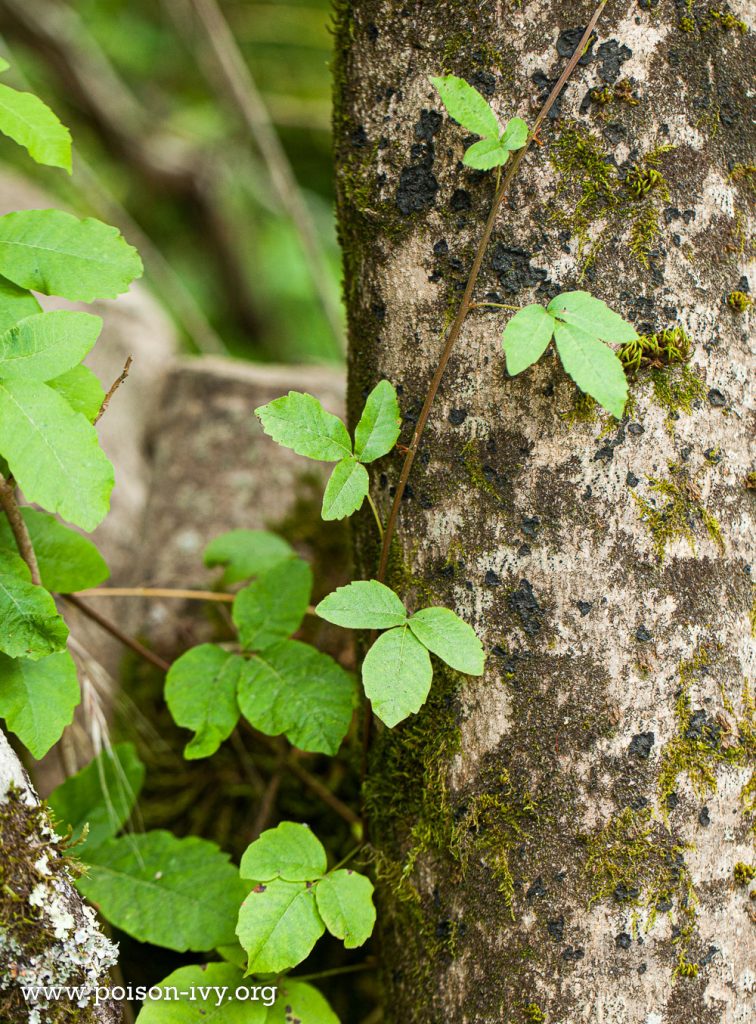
{"x": 743, "y": 874}
{"x": 533, "y": 1013}
{"x": 723, "y": 20}
{"x": 674, "y": 510}
{"x": 739, "y": 301}
{"x": 685, "y": 968}
{"x": 664, "y": 348}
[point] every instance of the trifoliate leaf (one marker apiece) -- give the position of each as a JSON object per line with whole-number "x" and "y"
{"x": 67, "y": 561}
{"x": 346, "y": 489}
{"x": 207, "y": 992}
{"x": 289, "y": 851}
{"x": 81, "y": 389}
{"x": 246, "y": 553}
{"x": 466, "y": 105}
{"x": 178, "y": 893}
{"x": 278, "y": 925}
{"x": 298, "y": 691}
{"x": 298, "y": 421}
{"x": 485, "y": 154}
{"x": 37, "y": 698}
{"x": 31, "y": 625}
{"x": 365, "y": 604}
{"x": 379, "y": 425}
{"x": 515, "y": 134}
{"x": 345, "y": 902}
{"x": 593, "y": 366}
{"x": 273, "y": 606}
{"x": 100, "y": 796}
{"x": 15, "y": 304}
{"x": 50, "y": 251}
{"x": 46, "y": 345}
{"x": 449, "y": 638}
{"x": 526, "y": 337}
{"x": 30, "y": 122}
{"x": 200, "y": 691}
{"x": 582, "y": 310}
{"x": 53, "y": 453}
{"x": 298, "y": 1001}
{"x": 396, "y": 675}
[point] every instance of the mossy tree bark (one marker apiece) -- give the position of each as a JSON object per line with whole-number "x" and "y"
{"x": 569, "y": 838}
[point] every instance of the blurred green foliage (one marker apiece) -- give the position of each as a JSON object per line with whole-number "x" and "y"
{"x": 158, "y": 137}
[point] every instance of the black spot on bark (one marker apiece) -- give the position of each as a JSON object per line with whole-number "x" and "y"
{"x": 641, "y": 744}
{"x": 457, "y": 416}
{"x": 492, "y": 579}
{"x": 417, "y": 190}
{"x": 523, "y": 602}
{"x": 512, "y": 267}
{"x": 568, "y": 42}
{"x": 612, "y": 56}
{"x": 623, "y": 940}
{"x": 555, "y": 928}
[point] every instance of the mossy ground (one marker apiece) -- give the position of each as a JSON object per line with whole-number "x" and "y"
{"x": 676, "y": 510}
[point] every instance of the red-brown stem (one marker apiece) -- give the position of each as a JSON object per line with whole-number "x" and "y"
{"x": 18, "y": 528}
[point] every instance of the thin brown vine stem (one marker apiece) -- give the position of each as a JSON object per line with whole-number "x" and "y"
{"x": 115, "y": 631}
{"x": 19, "y": 528}
{"x": 113, "y": 388}
{"x": 466, "y": 302}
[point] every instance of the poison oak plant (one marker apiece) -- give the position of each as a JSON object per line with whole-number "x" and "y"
{"x": 264, "y": 917}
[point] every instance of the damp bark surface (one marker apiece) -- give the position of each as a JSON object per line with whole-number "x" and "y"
{"x": 570, "y": 837}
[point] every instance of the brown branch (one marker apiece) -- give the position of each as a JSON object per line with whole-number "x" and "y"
{"x": 466, "y": 303}
{"x": 161, "y": 592}
{"x": 115, "y": 631}
{"x": 19, "y": 528}
{"x": 113, "y": 388}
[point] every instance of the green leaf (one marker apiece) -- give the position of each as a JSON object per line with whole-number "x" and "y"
{"x": 345, "y": 902}
{"x": 102, "y": 795}
{"x": 178, "y": 893}
{"x": 210, "y": 996}
{"x": 278, "y": 925}
{"x": 298, "y": 1001}
{"x": 298, "y": 691}
{"x": 379, "y": 425}
{"x": 246, "y": 553}
{"x": 396, "y": 675}
{"x": 273, "y": 607}
{"x": 289, "y": 851}
{"x": 37, "y": 698}
{"x": 81, "y": 389}
{"x": 48, "y": 344}
{"x": 30, "y": 122}
{"x": 485, "y": 154}
{"x": 449, "y": 638}
{"x": 53, "y": 452}
{"x": 515, "y": 134}
{"x": 200, "y": 691}
{"x": 467, "y": 106}
{"x": 526, "y": 337}
{"x": 364, "y": 604}
{"x": 298, "y": 421}
{"x": 593, "y": 366}
{"x": 15, "y": 304}
{"x": 582, "y": 310}
{"x": 346, "y": 489}
{"x": 54, "y": 253}
{"x": 67, "y": 561}
{"x": 31, "y": 625}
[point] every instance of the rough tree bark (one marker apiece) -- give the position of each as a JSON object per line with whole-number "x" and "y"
{"x": 569, "y": 838}
{"x": 48, "y": 935}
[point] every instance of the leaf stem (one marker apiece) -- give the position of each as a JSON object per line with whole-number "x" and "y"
{"x": 377, "y": 517}
{"x": 352, "y": 853}
{"x": 110, "y": 627}
{"x": 368, "y": 965}
{"x": 465, "y": 305}
{"x": 19, "y": 528}
{"x": 493, "y": 305}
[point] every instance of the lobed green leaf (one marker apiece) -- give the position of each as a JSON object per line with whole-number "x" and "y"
{"x": 298, "y": 1001}
{"x": 278, "y": 925}
{"x": 15, "y": 304}
{"x": 466, "y": 105}
{"x": 379, "y": 425}
{"x": 526, "y": 337}
{"x": 47, "y": 345}
{"x": 31, "y": 625}
{"x": 38, "y": 698}
{"x": 298, "y": 421}
{"x": 515, "y": 134}
{"x": 30, "y": 122}
{"x": 178, "y": 893}
{"x": 273, "y": 606}
{"x": 67, "y": 561}
{"x": 591, "y": 315}
{"x": 289, "y": 851}
{"x": 52, "y": 252}
{"x": 485, "y": 154}
{"x": 246, "y": 553}
{"x": 200, "y": 691}
{"x": 364, "y": 604}
{"x": 53, "y": 453}
{"x": 346, "y": 489}
{"x": 81, "y": 389}
{"x": 294, "y": 689}
{"x": 450, "y": 638}
{"x": 397, "y": 675}
{"x": 593, "y": 366}
{"x": 345, "y": 902}
{"x": 219, "y": 1005}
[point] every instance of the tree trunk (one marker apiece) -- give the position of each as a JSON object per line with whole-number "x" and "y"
{"x": 569, "y": 838}
{"x": 48, "y": 935}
